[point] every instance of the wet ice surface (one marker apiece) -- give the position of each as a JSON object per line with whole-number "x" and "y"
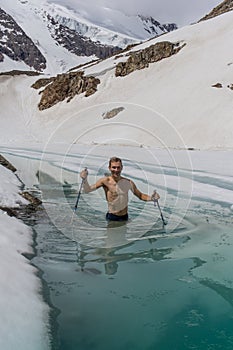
{"x": 140, "y": 286}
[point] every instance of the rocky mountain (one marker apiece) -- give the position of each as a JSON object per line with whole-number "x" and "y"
{"x": 18, "y": 46}
{"x": 60, "y": 38}
{"x": 15, "y": 44}
{"x": 154, "y": 28}
{"x": 142, "y": 28}
{"x": 76, "y": 43}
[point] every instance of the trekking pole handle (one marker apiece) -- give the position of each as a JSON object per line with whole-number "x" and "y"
{"x": 155, "y": 200}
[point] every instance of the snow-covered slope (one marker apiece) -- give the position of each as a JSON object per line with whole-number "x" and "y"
{"x": 64, "y": 38}
{"x": 172, "y": 103}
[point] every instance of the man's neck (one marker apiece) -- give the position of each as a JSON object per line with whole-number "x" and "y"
{"x": 116, "y": 179}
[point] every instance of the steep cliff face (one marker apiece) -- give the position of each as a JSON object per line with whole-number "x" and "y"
{"x": 76, "y": 43}
{"x": 15, "y": 44}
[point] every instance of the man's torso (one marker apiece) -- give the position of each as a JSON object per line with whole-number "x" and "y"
{"x": 117, "y": 195}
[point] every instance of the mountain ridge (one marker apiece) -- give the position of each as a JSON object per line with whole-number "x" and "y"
{"x": 71, "y": 39}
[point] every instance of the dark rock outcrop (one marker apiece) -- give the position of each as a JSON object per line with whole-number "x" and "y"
{"x": 65, "y": 86}
{"x": 142, "y": 58}
{"x": 9, "y": 211}
{"x": 16, "y": 72}
{"x": 224, "y": 7}
{"x": 30, "y": 198}
{"x": 42, "y": 82}
{"x": 112, "y": 113}
{"x": 4, "y": 162}
{"x": 217, "y": 85}
{"x": 34, "y": 202}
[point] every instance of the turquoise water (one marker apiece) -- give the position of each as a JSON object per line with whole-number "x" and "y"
{"x": 139, "y": 286}
{"x": 162, "y": 290}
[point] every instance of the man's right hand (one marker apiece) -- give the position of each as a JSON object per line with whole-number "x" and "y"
{"x": 155, "y": 196}
{"x": 84, "y": 174}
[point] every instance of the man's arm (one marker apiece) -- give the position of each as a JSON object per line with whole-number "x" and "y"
{"x": 89, "y": 188}
{"x": 143, "y": 196}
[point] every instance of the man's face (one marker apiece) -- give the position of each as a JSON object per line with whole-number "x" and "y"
{"x": 115, "y": 169}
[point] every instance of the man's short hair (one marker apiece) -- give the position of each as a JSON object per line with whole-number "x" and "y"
{"x": 114, "y": 159}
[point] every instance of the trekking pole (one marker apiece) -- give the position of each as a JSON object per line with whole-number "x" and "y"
{"x": 78, "y": 196}
{"x": 156, "y": 201}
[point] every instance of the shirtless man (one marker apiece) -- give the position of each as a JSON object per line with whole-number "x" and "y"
{"x": 116, "y": 190}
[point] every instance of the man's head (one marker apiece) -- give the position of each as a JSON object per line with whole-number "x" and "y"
{"x": 115, "y": 160}
{"x": 115, "y": 166}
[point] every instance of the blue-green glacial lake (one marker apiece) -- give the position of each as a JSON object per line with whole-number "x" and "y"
{"x": 138, "y": 286}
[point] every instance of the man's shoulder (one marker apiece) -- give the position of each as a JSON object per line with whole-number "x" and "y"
{"x": 127, "y": 182}
{"x": 105, "y": 180}
{"x": 125, "y": 179}
{"x": 102, "y": 180}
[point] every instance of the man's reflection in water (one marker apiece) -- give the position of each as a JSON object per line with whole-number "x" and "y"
{"x": 111, "y": 268}
{"x": 115, "y": 239}
{"x": 113, "y": 252}
{"x": 116, "y": 234}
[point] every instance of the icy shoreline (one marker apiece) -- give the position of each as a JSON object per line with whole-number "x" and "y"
{"x": 24, "y": 322}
